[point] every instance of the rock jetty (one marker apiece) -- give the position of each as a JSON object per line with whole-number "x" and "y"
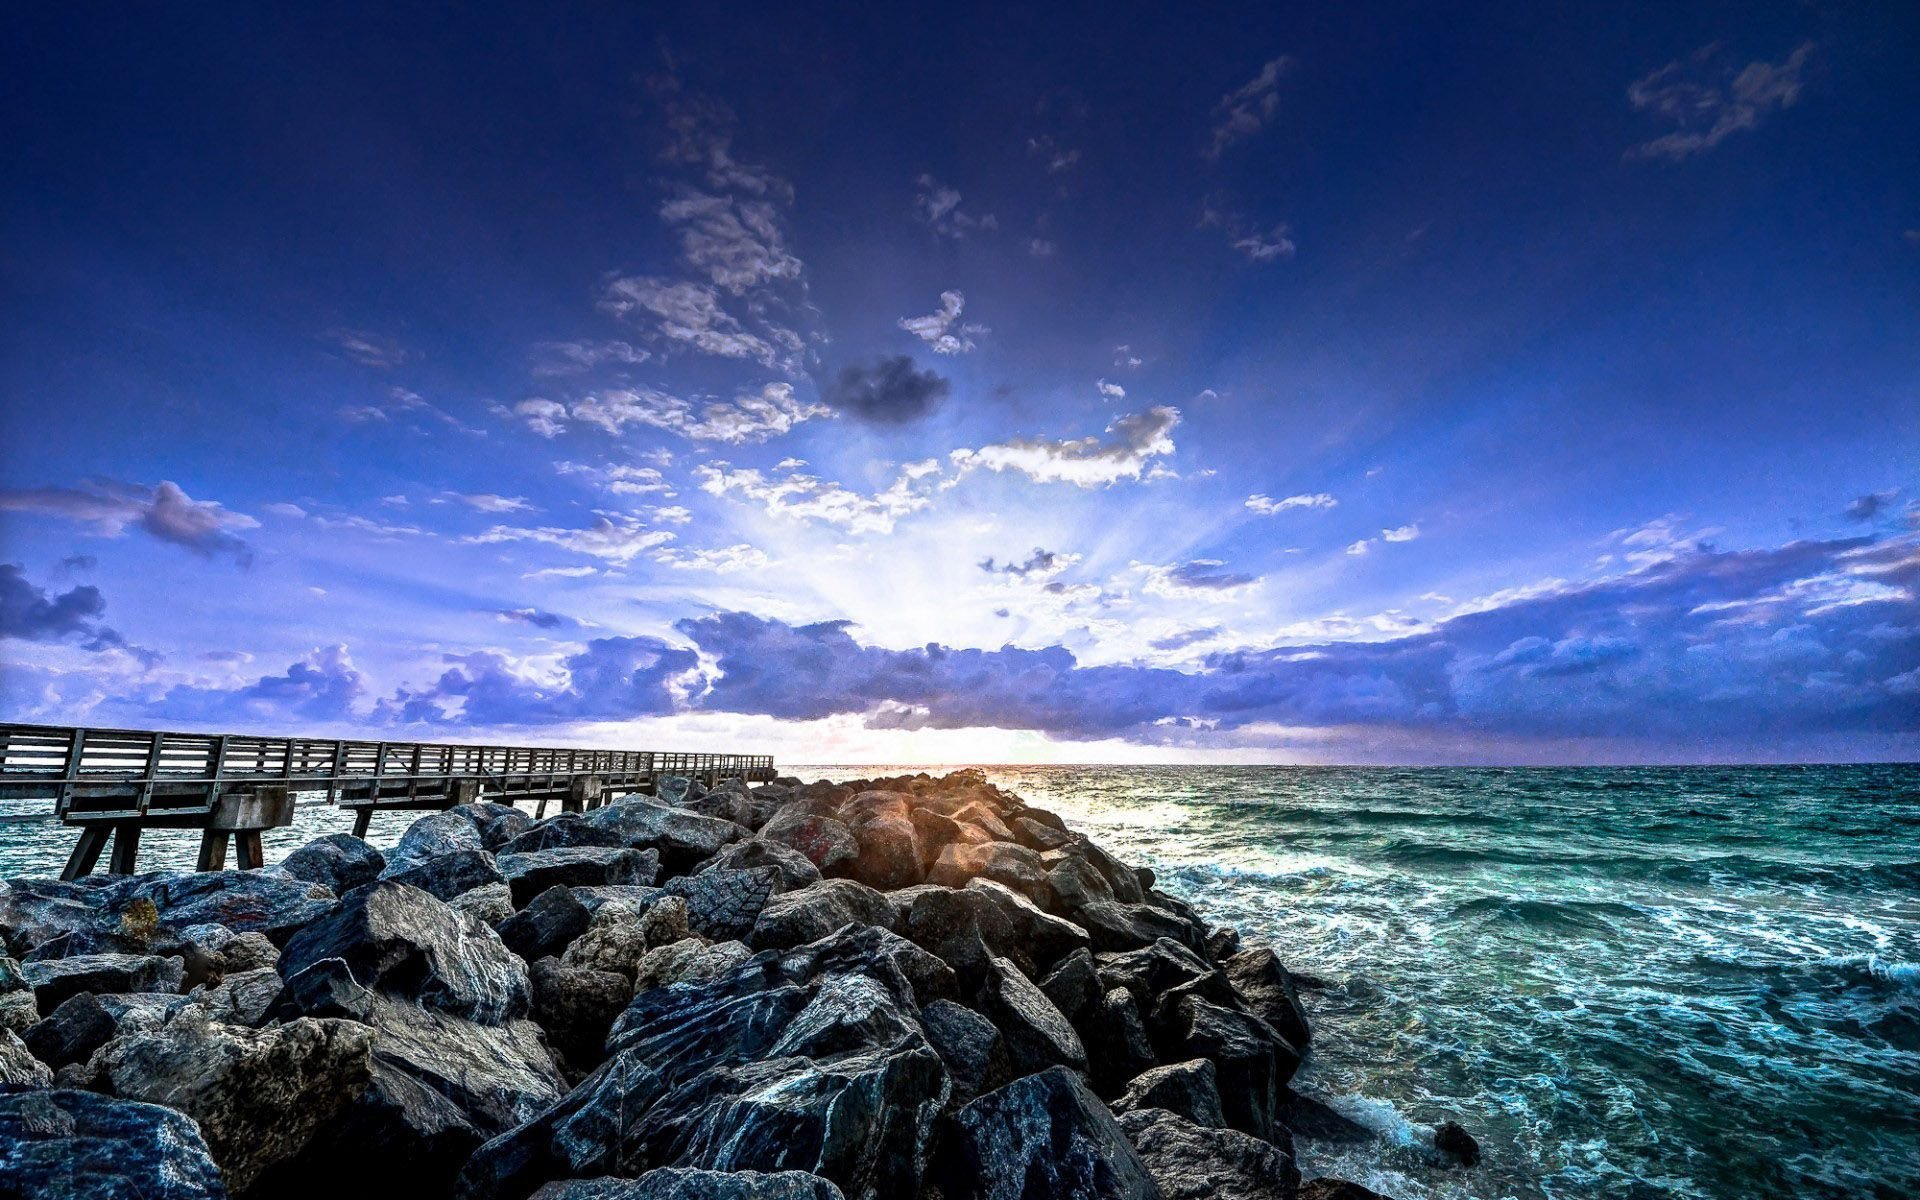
{"x": 913, "y": 987}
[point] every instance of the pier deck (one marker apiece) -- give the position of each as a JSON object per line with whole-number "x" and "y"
{"x": 112, "y": 783}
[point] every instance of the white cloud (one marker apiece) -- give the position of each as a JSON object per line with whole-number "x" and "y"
{"x": 1041, "y": 248}
{"x": 615, "y": 537}
{"x": 1112, "y": 391}
{"x": 548, "y": 418}
{"x": 1266, "y": 247}
{"x": 621, "y": 480}
{"x": 488, "y": 502}
{"x": 748, "y": 417}
{"x": 939, "y": 206}
{"x": 942, "y": 330}
{"x": 689, "y": 314}
{"x": 1196, "y": 579}
{"x": 1267, "y": 506}
{"x": 726, "y": 560}
{"x": 401, "y": 402}
{"x": 1123, "y": 356}
{"x": 561, "y": 573}
{"x": 1247, "y": 109}
{"x": 369, "y": 349}
{"x": 571, "y": 358}
{"x": 808, "y": 498}
{"x": 737, "y": 242}
{"x": 1403, "y": 533}
{"x": 1707, "y": 102}
{"x": 1087, "y": 462}
{"x": 1360, "y": 547}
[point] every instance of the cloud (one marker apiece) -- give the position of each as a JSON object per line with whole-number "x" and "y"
{"x": 889, "y": 391}
{"x": 324, "y": 686}
{"x": 942, "y": 330}
{"x": 748, "y": 417}
{"x": 1042, "y": 248}
{"x": 402, "y": 403}
{"x": 537, "y": 617}
{"x": 738, "y": 243}
{"x": 1403, "y": 533}
{"x": 1707, "y": 101}
{"x": 1267, "y": 506}
{"x": 571, "y": 358}
{"x": 548, "y": 418}
{"x": 939, "y": 206}
{"x": 801, "y": 497}
{"x": 1247, "y": 109}
{"x": 488, "y": 502}
{"x": 1043, "y": 563}
{"x": 1871, "y": 505}
{"x": 1199, "y": 578}
{"x": 725, "y": 560}
{"x": 1254, "y": 243}
{"x": 32, "y": 614}
{"x": 1087, "y": 462}
{"x": 1360, "y": 547}
{"x": 1055, "y": 158}
{"x": 1111, "y": 391}
{"x": 369, "y": 349}
{"x": 613, "y": 537}
{"x": 689, "y": 314}
{"x": 1123, "y": 356}
{"x": 615, "y": 678}
{"x": 621, "y": 479}
{"x": 1186, "y": 637}
{"x": 164, "y": 512}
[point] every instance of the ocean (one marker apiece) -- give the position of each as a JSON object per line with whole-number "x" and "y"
{"x": 1626, "y": 982}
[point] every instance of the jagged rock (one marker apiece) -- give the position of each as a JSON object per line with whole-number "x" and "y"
{"x": 673, "y": 789}
{"x": 1162, "y": 968}
{"x": 327, "y": 988}
{"x": 74, "y": 1145}
{"x": 1047, "y": 1136}
{"x": 1038, "y": 836}
{"x": 723, "y": 904}
{"x": 963, "y": 926}
{"x": 1046, "y": 938}
{"x": 546, "y": 925}
{"x": 930, "y": 977}
{"x": 687, "y": 959}
{"x": 53, "y": 980}
{"x": 665, "y": 921}
{"x": 243, "y": 997}
{"x": 1124, "y": 881}
{"x": 1307, "y": 1117}
{"x": 625, "y": 898}
{"x": 134, "y": 913}
{"x": 1454, "y": 1142}
{"x": 1197, "y": 1162}
{"x": 401, "y": 941}
{"x": 1118, "y": 1046}
{"x": 430, "y": 837}
{"x": 18, "y": 1066}
{"x": 339, "y": 862}
{"x": 888, "y": 850}
{"x": 490, "y": 903}
{"x": 1073, "y": 985}
{"x": 71, "y": 1032}
{"x": 449, "y": 875}
{"x": 1266, "y": 987}
{"x": 682, "y": 838}
{"x": 975, "y": 1053}
{"x": 559, "y": 831}
{"x": 577, "y": 866}
{"x": 680, "y": 1183}
{"x": 1336, "y": 1189}
{"x": 497, "y": 824}
{"x": 577, "y": 1006}
{"x": 616, "y": 946}
{"x": 1075, "y": 881}
{"x": 1251, "y": 1059}
{"x": 1223, "y": 942}
{"x": 1035, "y": 1032}
{"x": 813, "y": 912}
{"x": 18, "y": 1008}
{"x": 1188, "y": 1089}
{"x": 243, "y": 901}
{"x": 247, "y": 952}
{"x": 933, "y": 832}
{"x": 1115, "y": 926}
{"x": 1002, "y": 862}
{"x": 793, "y": 870}
{"x": 259, "y": 1096}
{"x": 825, "y": 842}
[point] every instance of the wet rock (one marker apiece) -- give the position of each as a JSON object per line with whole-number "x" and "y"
{"x": 793, "y": 870}
{"x": 626, "y": 899}
{"x": 71, "y": 1032}
{"x": 577, "y": 1006}
{"x": 1036, "y": 835}
{"x": 490, "y": 904}
{"x": 1307, "y": 1117}
{"x": 243, "y": 997}
{"x": 1456, "y": 1144}
{"x": 1073, "y": 985}
{"x": 577, "y": 866}
{"x": 559, "y": 831}
{"x": 1336, "y": 1189}
{"x": 1116, "y": 926}
{"x": 975, "y": 1054}
{"x": 54, "y": 980}
{"x": 136, "y": 913}
{"x": 497, "y": 824}
{"x": 825, "y": 842}
{"x": 1075, "y": 882}
{"x": 1247, "y": 1054}
{"x": 813, "y": 912}
{"x": 401, "y": 941}
{"x": 889, "y": 851}
{"x": 1223, "y": 943}
{"x": 1002, "y": 862}
{"x": 1035, "y": 1032}
{"x": 1046, "y": 1136}
{"x": 1197, "y": 1162}
{"x": 18, "y": 1066}
{"x": 1117, "y": 1042}
{"x": 723, "y": 904}
{"x": 929, "y": 976}
{"x": 680, "y": 1183}
{"x": 1045, "y": 938}
{"x": 1163, "y": 967}
{"x": 683, "y": 839}
{"x": 74, "y": 1145}
{"x": 1188, "y": 1089}
{"x": 259, "y": 1096}
{"x": 430, "y": 837}
{"x": 446, "y": 876}
{"x": 1124, "y": 881}
{"x": 1267, "y": 989}
{"x": 339, "y": 862}
{"x": 546, "y": 925}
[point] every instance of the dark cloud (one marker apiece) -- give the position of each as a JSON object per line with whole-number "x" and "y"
{"x": 889, "y": 391}
{"x": 32, "y": 614}
{"x": 1205, "y": 573}
{"x": 1871, "y": 505}
{"x": 79, "y": 562}
{"x": 1185, "y": 638}
{"x": 1044, "y": 562}
{"x": 539, "y": 618}
{"x": 611, "y": 679}
{"x": 164, "y": 511}
{"x": 323, "y": 687}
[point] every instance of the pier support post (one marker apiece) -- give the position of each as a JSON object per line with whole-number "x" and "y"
{"x": 241, "y": 815}
{"x": 584, "y": 794}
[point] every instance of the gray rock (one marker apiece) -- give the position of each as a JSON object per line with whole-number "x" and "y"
{"x": 243, "y": 997}
{"x": 794, "y": 918}
{"x": 682, "y": 838}
{"x": 1115, "y": 926}
{"x": 793, "y": 869}
{"x": 54, "y": 980}
{"x": 546, "y": 925}
{"x": 18, "y": 1066}
{"x": 247, "y": 952}
{"x": 1046, "y": 938}
{"x": 401, "y": 941}
{"x": 1118, "y": 1045}
{"x": 1002, "y": 862}
{"x": 1336, "y": 1189}
{"x": 1252, "y": 1060}
{"x": 558, "y": 831}
{"x": 497, "y": 824}
{"x": 18, "y": 1008}
{"x": 327, "y": 988}
{"x": 1046, "y": 1135}
{"x": 448, "y": 875}
{"x": 825, "y": 842}
{"x": 490, "y": 903}
{"x": 1197, "y": 1162}
{"x": 339, "y": 862}
{"x": 1075, "y": 881}
{"x": 723, "y": 904}
{"x": 975, "y": 1053}
{"x": 136, "y": 913}
{"x": 429, "y": 837}
{"x": 74, "y": 1145}
{"x": 889, "y": 851}
{"x": 1188, "y": 1089}
{"x": 1036, "y": 1034}
{"x": 1304, "y": 1116}
{"x": 577, "y": 1005}
{"x": 680, "y": 1183}
{"x": 1073, "y": 985}
{"x": 1164, "y": 966}
{"x": 259, "y": 1096}
{"x": 577, "y": 866}
{"x": 1267, "y": 989}
{"x": 688, "y": 959}
{"x": 71, "y": 1032}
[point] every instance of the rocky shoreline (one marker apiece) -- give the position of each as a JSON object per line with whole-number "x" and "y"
{"x": 911, "y": 987}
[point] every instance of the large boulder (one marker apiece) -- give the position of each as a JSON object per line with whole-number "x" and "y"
{"x": 1073, "y": 985}
{"x": 243, "y": 997}
{"x": 889, "y": 849}
{"x": 429, "y": 837}
{"x": 54, "y": 980}
{"x": 546, "y": 926}
{"x": 682, "y": 838}
{"x": 401, "y": 941}
{"x": 1266, "y": 988}
{"x": 577, "y": 866}
{"x": 1046, "y": 938}
{"x": 1252, "y": 1060}
{"x": 1036, "y": 1034}
{"x": 1198, "y": 1162}
{"x": 813, "y": 912}
{"x": 577, "y": 1005}
{"x": 72, "y": 1032}
{"x": 793, "y": 870}
{"x": 140, "y": 913}
{"x": 18, "y": 1066}
{"x": 1190, "y": 1090}
{"x": 1046, "y": 1135}
{"x": 681, "y": 1183}
{"x": 339, "y": 862}
{"x": 687, "y": 959}
{"x": 975, "y": 1053}
{"x": 259, "y": 1096}
{"x": 497, "y": 824}
{"x": 450, "y": 875}
{"x": 74, "y": 1145}
{"x": 1116, "y": 926}
{"x": 1003, "y": 862}
{"x": 724, "y": 904}
{"x": 1118, "y": 1045}
{"x": 18, "y": 1008}
{"x": 825, "y": 842}
{"x": 561, "y": 830}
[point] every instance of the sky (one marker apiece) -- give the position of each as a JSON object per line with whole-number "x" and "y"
{"x": 1370, "y": 383}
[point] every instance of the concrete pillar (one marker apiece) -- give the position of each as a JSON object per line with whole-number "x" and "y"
{"x": 585, "y": 793}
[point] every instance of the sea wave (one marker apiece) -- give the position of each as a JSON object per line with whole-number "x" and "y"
{"x": 1600, "y": 915}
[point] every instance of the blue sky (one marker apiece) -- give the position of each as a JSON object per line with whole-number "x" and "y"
{"x": 1383, "y": 384}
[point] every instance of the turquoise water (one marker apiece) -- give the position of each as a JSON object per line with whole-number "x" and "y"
{"x": 1694, "y": 982}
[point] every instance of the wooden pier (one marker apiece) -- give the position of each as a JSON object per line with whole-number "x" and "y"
{"x": 112, "y": 783}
